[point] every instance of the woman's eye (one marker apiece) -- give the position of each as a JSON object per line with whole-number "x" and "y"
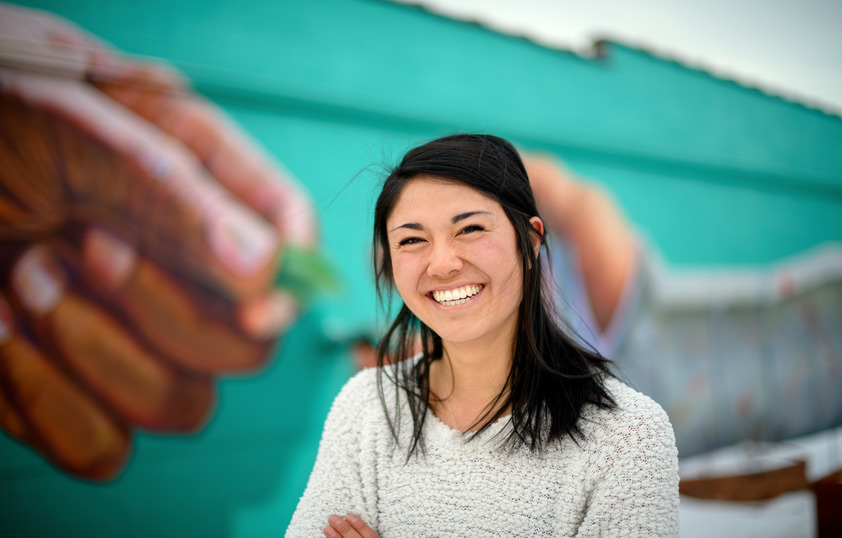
{"x": 472, "y": 228}
{"x": 409, "y": 241}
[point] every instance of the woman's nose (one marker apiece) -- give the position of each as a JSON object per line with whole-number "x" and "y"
{"x": 444, "y": 261}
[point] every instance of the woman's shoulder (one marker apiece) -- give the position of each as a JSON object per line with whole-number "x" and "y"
{"x": 633, "y": 445}
{"x": 631, "y": 401}
{"x": 360, "y": 413}
{"x": 359, "y": 392}
{"x": 635, "y": 418}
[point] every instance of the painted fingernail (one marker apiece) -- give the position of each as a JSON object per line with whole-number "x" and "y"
{"x": 37, "y": 281}
{"x": 295, "y": 220}
{"x": 240, "y": 240}
{"x": 299, "y": 230}
{"x": 108, "y": 257}
{"x": 156, "y": 163}
{"x": 267, "y": 316}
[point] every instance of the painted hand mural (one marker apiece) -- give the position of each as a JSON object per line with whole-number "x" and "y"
{"x": 139, "y": 238}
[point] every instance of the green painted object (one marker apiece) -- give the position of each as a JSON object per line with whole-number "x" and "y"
{"x": 307, "y": 274}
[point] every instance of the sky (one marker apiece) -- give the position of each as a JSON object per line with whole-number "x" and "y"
{"x": 790, "y": 48}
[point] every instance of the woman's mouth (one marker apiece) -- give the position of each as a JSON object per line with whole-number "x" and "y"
{"x": 456, "y": 296}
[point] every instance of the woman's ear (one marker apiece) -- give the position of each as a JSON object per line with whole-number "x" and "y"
{"x": 538, "y": 226}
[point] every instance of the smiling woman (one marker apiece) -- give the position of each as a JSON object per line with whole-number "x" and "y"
{"x": 501, "y": 424}
{"x": 458, "y": 271}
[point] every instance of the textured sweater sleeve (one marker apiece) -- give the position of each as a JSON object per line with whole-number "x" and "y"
{"x": 633, "y": 473}
{"x": 342, "y": 480}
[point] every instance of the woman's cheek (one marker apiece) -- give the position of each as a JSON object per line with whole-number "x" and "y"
{"x": 406, "y": 271}
{"x": 494, "y": 250}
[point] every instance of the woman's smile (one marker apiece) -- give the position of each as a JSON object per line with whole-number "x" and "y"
{"x": 456, "y": 296}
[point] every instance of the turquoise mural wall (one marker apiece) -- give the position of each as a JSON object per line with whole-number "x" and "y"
{"x": 710, "y": 172}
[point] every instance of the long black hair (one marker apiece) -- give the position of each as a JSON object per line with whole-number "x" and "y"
{"x": 551, "y": 378}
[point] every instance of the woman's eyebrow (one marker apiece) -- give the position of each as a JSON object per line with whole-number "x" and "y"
{"x": 410, "y": 225}
{"x": 453, "y": 220}
{"x": 463, "y": 216}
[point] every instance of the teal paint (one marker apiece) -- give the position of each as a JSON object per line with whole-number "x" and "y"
{"x": 710, "y": 172}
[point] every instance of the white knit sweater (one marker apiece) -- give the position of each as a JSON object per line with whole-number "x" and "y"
{"x": 622, "y": 480}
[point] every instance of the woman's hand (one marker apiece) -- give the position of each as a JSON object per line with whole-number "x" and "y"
{"x": 350, "y": 526}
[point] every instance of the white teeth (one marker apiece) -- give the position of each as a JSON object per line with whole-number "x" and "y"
{"x": 456, "y": 296}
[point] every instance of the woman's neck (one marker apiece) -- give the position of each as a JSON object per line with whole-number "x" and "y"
{"x": 473, "y": 376}
{"x": 467, "y": 383}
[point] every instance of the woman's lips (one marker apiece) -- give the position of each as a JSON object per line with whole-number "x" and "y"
{"x": 456, "y": 296}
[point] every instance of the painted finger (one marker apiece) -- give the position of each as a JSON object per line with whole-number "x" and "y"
{"x": 33, "y": 200}
{"x": 119, "y": 168}
{"x": 228, "y": 154}
{"x": 159, "y": 94}
{"x": 195, "y": 333}
{"x": 102, "y": 355}
{"x": 43, "y": 408}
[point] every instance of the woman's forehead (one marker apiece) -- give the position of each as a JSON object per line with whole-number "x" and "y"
{"x": 432, "y": 196}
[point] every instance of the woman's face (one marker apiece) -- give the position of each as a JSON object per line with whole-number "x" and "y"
{"x": 455, "y": 261}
